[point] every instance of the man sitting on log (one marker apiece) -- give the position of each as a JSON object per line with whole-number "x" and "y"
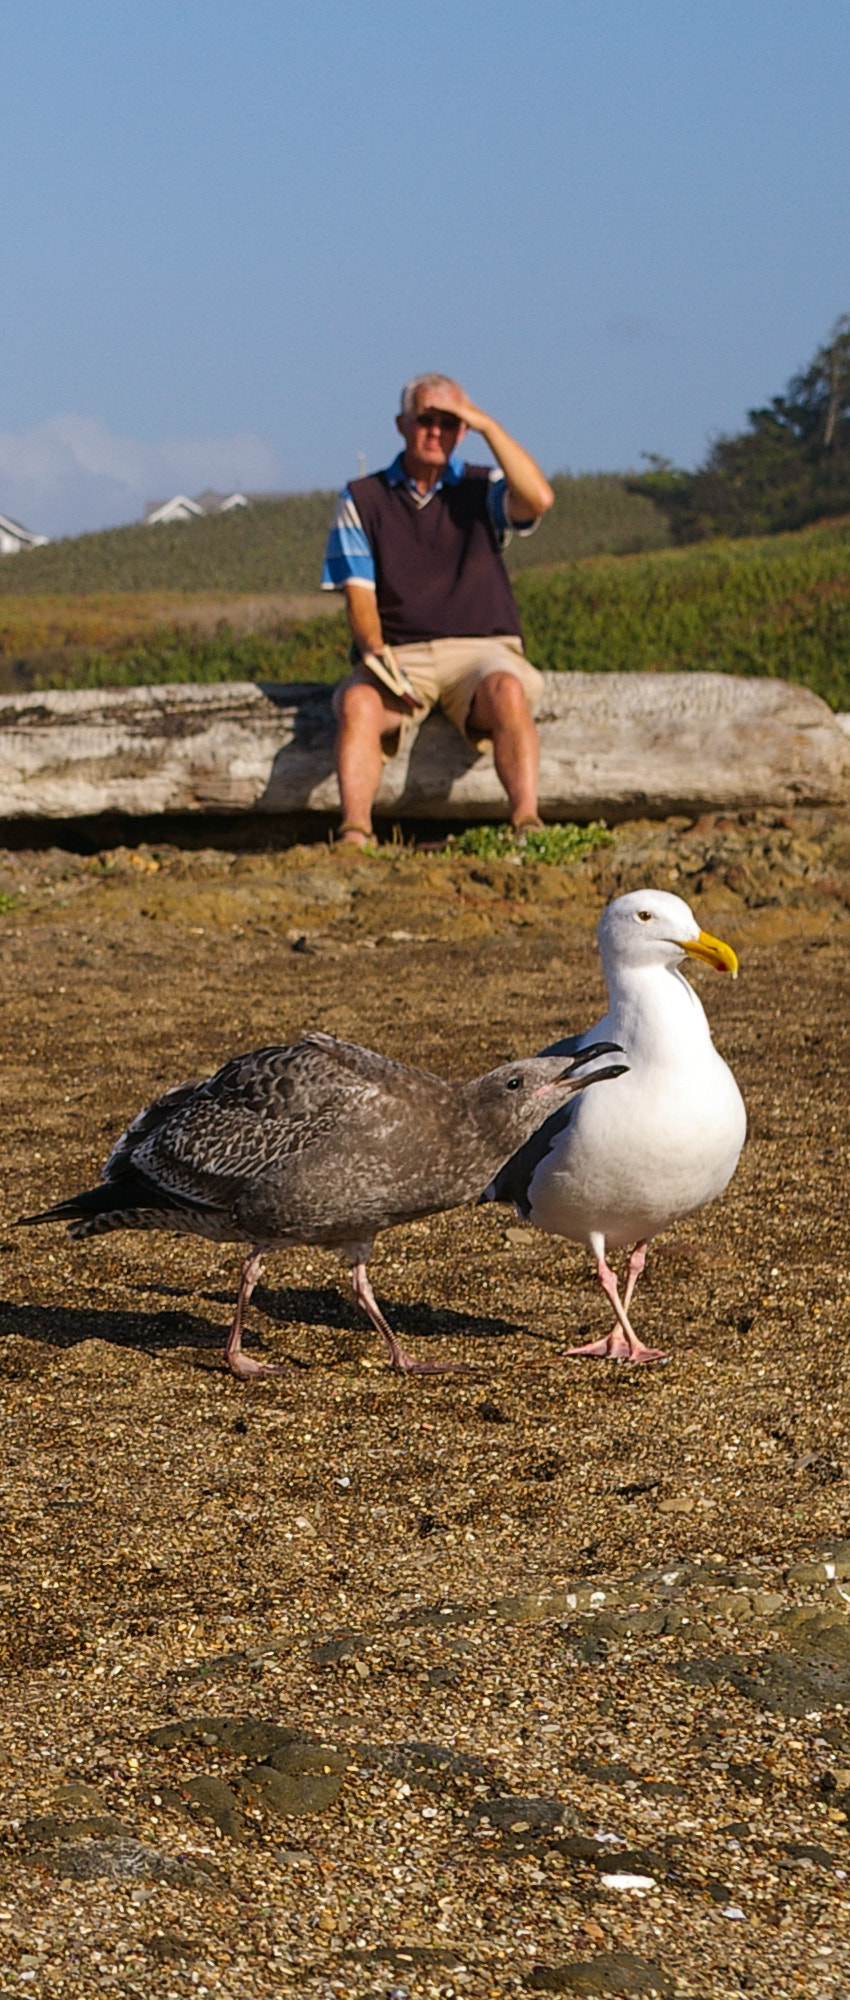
{"x": 434, "y": 622}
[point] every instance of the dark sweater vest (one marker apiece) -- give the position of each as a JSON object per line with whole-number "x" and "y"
{"x": 438, "y": 571}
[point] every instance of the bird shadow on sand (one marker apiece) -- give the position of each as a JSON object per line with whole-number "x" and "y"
{"x": 176, "y": 1328}
{"x": 306, "y": 1306}
{"x": 63, "y": 1327}
{"x": 333, "y": 1310}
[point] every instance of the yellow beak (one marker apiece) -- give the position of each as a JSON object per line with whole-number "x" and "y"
{"x": 712, "y": 951}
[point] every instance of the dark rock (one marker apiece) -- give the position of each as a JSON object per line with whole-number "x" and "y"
{"x": 128, "y": 1860}
{"x": 588, "y": 1645}
{"x": 778, "y": 1682}
{"x": 490, "y": 1413}
{"x": 438, "y": 1616}
{"x": 616, "y": 1972}
{"x": 630, "y": 1861}
{"x": 802, "y": 1850}
{"x": 720, "y": 1893}
{"x": 401, "y": 1956}
{"x": 421, "y": 1760}
{"x": 290, "y": 1792}
{"x": 622, "y": 1776}
{"x": 751, "y": 1777}
{"x": 331, "y": 1651}
{"x": 308, "y": 1756}
{"x": 214, "y": 1800}
{"x": 47, "y": 1829}
{"x": 824, "y": 1634}
{"x": 167, "y": 1945}
{"x": 512, "y": 1815}
{"x": 241, "y": 1735}
{"x": 645, "y": 1624}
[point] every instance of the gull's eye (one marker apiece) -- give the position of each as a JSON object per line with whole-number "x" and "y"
{"x": 514, "y": 1082}
{"x": 644, "y": 916}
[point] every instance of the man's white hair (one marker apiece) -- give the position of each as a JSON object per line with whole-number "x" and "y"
{"x": 430, "y": 383}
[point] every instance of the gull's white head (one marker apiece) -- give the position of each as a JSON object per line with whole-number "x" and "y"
{"x": 649, "y": 927}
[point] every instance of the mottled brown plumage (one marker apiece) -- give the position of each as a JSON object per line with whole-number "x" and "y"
{"x": 321, "y": 1142}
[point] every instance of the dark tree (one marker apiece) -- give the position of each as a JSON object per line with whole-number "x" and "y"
{"x": 790, "y": 466}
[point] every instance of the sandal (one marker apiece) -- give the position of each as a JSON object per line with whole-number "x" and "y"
{"x": 368, "y": 844}
{"x": 523, "y": 827}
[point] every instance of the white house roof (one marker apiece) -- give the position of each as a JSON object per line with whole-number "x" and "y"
{"x": 181, "y": 508}
{"x": 14, "y": 538}
{"x": 220, "y": 503}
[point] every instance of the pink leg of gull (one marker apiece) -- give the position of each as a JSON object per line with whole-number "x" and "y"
{"x": 244, "y": 1365}
{"x": 406, "y": 1364}
{"x": 622, "y": 1343}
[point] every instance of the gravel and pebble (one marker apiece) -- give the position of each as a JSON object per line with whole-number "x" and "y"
{"x": 531, "y": 1679}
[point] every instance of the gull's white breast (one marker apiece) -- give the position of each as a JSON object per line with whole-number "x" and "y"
{"x": 655, "y": 1144}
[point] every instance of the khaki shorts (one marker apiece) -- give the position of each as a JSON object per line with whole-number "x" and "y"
{"x": 446, "y": 674}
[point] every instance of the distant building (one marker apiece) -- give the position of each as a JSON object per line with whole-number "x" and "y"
{"x": 181, "y": 508}
{"x": 221, "y": 503}
{"x": 14, "y": 538}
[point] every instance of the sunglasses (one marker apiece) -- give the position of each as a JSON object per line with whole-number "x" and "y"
{"x": 431, "y": 420}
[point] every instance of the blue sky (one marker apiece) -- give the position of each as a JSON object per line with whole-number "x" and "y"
{"x": 229, "y": 233}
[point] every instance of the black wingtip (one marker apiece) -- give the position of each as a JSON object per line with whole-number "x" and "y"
{"x": 65, "y": 1211}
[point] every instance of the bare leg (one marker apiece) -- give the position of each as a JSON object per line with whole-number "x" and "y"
{"x": 622, "y": 1343}
{"x": 241, "y": 1364}
{"x": 364, "y": 718}
{"x": 405, "y": 1363}
{"x": 500, "y": 709}
{"x": 637, "y": 1261}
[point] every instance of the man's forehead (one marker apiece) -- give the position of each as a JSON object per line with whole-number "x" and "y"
{"x": 427, "y": 395}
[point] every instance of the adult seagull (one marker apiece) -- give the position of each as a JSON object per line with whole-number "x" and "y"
{"x": 617, "y": 1166}
{"x": 320, "y": 1142}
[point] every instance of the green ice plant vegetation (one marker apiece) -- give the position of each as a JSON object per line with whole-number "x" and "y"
{"x": 777, "y": 606}
{"x": 559, "y": 844}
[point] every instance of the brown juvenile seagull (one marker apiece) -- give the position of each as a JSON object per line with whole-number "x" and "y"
{"x": 322, "y": 1142}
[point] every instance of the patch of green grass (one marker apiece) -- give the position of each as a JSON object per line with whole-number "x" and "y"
{"x": 7, "y": 903}
{"x": 559, "y": 844}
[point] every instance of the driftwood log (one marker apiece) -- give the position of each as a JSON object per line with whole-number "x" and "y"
{"x": 613, "y": 746}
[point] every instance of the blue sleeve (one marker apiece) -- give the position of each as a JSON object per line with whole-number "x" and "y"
{"x": 348, "y": 556}
{"x": 497, "y": 503}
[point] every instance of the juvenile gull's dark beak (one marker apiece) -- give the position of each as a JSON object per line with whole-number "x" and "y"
{"x": 584, "y": 1056}
{"x": 579, "y": 1061}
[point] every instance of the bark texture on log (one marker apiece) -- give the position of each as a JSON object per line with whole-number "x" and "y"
{"x": 612, "y": 745}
